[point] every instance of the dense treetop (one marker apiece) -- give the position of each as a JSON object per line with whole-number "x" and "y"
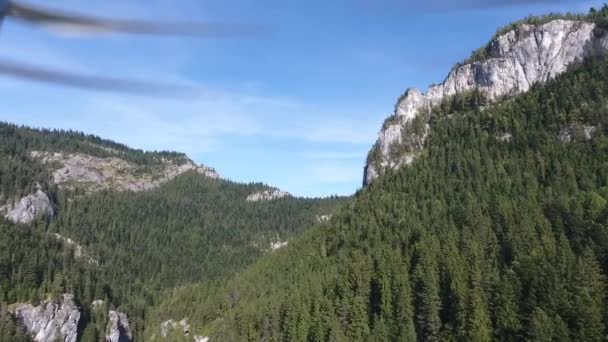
{"x": 191, "y": 229}
{"x": 482, "y": 238}
{"x": 498, "y": 231}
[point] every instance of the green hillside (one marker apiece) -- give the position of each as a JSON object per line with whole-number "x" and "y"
{"x": 189, "y": 230}
{"x": 499, "y": 231}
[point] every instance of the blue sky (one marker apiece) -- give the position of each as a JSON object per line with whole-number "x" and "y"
{"x": 297, "y": 107}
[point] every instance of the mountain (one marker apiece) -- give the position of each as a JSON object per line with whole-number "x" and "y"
{"x": 94, "y": 233}
{"x": 519, "y": 56}
{"x": 497, "y": 229}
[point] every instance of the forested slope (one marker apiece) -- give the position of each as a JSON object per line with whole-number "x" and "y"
{"x": 18, "y": 171}
{"x": 192, "y": 229}
{"x": 498, "y": 231}
{"x": 129, "y": 248}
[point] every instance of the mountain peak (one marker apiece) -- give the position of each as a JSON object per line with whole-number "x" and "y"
{"x": 510, "y": 64}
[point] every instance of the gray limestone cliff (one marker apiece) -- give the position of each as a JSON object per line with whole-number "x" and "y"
{"x": 79, "y": 252}
{"x": 50, "y": 321}
{"x": 167, "y": 327}
{"x": 514, "y": 62}
{"x": 78, "y": 170}
{"x": 278, "y": 245}
{"x": 28, "y": 208}
{"x": 267, "y": 195}
{"x": 170, "y": 329}
{"x": 118, "y": 329}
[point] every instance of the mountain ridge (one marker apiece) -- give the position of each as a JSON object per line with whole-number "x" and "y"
{"x": 496, "y": 231}
{"x": 513, "y": 61}
{"x": 112, "y": 228}
{"x": 481, "y": 239}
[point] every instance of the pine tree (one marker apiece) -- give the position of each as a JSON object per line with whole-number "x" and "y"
{"x": 428, "y": 302}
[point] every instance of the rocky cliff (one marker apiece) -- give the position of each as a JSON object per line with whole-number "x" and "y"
{"x": 77, "y": 170}
{"x": 79, "y": 252}
{"x": 51, "y": 321}
{"x": 28, "y": 208}
{"x": 167, "y": 327}
{"x": 118, "y": 329}
{"x": 267, "y": 195}
{"x": 514, "y": 62}
{"x": 171, "y": 328}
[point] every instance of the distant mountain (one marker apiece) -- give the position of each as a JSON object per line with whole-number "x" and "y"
{"x": 94, "y": 233}
{"x": 497, "y": 229}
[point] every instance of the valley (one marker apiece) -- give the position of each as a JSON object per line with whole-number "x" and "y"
{"x": 483, "y": 217}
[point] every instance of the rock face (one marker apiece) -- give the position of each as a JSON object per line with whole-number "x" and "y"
{"x": 167, "y": 327}
{"x": 324, "y": 218}
{"x": 79, "y": 252}
{"x": 516, "y": 61}
{"x": 570, "y": 133}
{"x": 278, "y": 245}
{"x": 50, "y": 321}
{"x": 118, "y": 329}
{"x": 29, "y": 208}
{"x": 96, "y": 305}
{"x": 97, "y": 174}
{"x": 507, "y": 137}
{"x": 267, "y": 195}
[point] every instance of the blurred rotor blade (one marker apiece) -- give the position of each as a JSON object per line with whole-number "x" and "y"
{"x": 86, "y": 24}
{"x": 58, "y": 77}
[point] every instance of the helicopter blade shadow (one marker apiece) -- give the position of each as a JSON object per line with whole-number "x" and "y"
{"x": 87, "y": 24}
{"x": 40, "y": 74}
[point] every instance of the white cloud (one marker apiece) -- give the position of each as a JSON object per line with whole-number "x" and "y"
{"x": 200, "y": 125}
{"x": 214, "y": 115}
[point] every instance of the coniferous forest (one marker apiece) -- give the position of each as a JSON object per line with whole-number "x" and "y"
{"x": 139, "y": 245}
{"x": 481, "y": 239}
{"x": 497, "y": 232}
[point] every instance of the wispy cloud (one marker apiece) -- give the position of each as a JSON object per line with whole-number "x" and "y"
{"x": 214, "y": 118}
{"x": 197, "y": 125}
{"x": 337, "y": 173}
{"x": 299, "y": 111}
{"x": 340, "y": 130}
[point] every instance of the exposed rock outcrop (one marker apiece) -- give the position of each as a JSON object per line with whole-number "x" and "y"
{"x": 506, "y": 137}
{"x": 97, "y": 305}
{"x": 571, "y": 132}
{"x": 118, "y": 329}
{"x": 79, "y": 252}
{"x": 267, "y": 195}
{"x": 167, "y": 327}
{"x": 516, "y": 60}
{"x": 29, "y": 208}
{"x": 50, "y": 321}
{"x": 97, "y": 174}
{"x": 278, "y": 245}
{"x": 324, "y": 218}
